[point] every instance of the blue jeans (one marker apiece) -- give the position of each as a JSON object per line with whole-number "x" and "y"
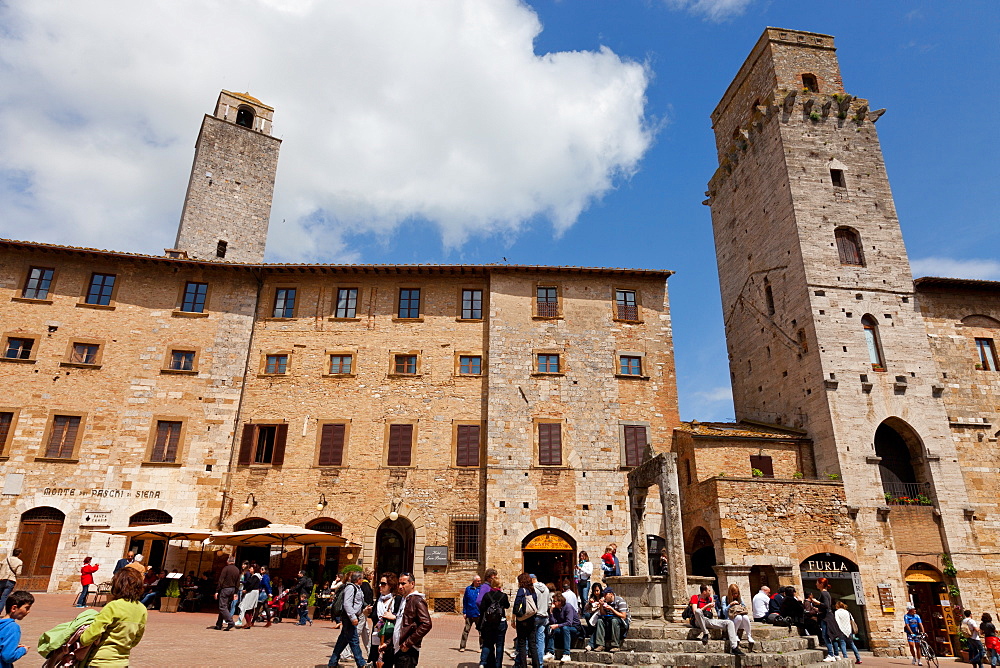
{"x": 541, "y": 623}
{"x": 6, "y": 587}
{"x": 491, "y": 655}
{"x": 825, "y": 637}
{"x": 527, "y": 644}
{"x": 304, "y": 613}
{"x": 82, "y": 601}
{"x": 148, "y": 599}
{"x": 583, "y": 589}
{"x": 976, "y": 653}
{"x": 348, "y": 636}
{"x": 565, "y": 636}
{"x": 844, "y": 643}
{"x": 235, "y": 602}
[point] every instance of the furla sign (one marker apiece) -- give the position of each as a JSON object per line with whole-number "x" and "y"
{"x": 818, "y": 566}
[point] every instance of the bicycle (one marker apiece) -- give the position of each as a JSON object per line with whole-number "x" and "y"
{"x": 927, "y": 651}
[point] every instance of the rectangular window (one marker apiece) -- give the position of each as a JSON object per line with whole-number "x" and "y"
{"x": 547, "y": 302}
{"x": 987, "y": 354}
{"x": 62, "y": 438}
{"x": 168, "y": 435}
{"x": 838, "y": 179}
{"x": 284, "y": 303}
{"x": 341, "y": 363}
{"x": 549, "y": 444}
{"x": 466, "y": 540}
{"x": 405, "y": 364}
{"x": 470, "y": 365}
{"x": 221, "y": 248}
{"x": 400, "y": 444}
{"x": 626, "y": 304}
{"x": 548, "y": 363}
{"x": 472, "y": 304}
{"x": 194, "y": 297}
{"x": 101, "y": 287}
{"x": 331, "y": 444}
{"x": 37, "y": 285}
{"x": 347, "y": 303}
{"x": 762, "y": 463}
{"x": 263, "y": 444}
{"x": 5, "y": 421}
{"x": 467, "y": 445}
{"x": 629, "y": 365}
{"x": 182, "y": 360}
{"x": 276, "y": 364}
{"x": 635, "y": 444}
{"x": 19, "y": 349}
{"x": 409, "y": 302}
{"x": 84, "y": 353}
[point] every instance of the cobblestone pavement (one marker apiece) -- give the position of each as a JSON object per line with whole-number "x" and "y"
{"x": 183, "y": 639}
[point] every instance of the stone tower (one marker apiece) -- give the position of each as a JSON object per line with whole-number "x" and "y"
{"x": 228, "y": 203}
{"x": 818, "y": 301}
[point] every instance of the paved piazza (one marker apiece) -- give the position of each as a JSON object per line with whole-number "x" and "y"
{"x": 183, "y": 639}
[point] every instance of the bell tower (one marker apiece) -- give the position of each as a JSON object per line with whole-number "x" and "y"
{"x": 227, "y": 207}
{"x": 822, "y": 328}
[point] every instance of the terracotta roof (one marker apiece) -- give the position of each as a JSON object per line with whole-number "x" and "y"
{"x": 249, "y": 98}
{"x": 967, "y": 283}
{"x": 742, "y": 429}
{"x": 336, "y": 268}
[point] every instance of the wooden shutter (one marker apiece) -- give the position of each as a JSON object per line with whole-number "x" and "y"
{"x": 467, "y": 445}
{"x": 635, "y": 444}
{"x": 168, "y": 435}
{"x": 763, "y": 463}
{"x": 63, "y": 436}
{"x": 400, "y": 444}
{"x": 550, "y": 444}
{"x": 331, "y": 445}
{"x": 280, "y": 438}
{"x": 5, "y": 420}
{"x": 246, "y": 444}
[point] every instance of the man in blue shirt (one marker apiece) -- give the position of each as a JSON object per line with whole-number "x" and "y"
{"x": 914, "y": 627}
{"x": 470, "y": 609}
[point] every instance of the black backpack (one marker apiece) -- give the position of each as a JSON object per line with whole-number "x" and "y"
{"x": 338, "y": 603}
{"x": 493, "y": 614}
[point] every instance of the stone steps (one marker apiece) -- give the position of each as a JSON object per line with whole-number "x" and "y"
{"x": 719, "y": 646}
{"x": 796, "y": 659}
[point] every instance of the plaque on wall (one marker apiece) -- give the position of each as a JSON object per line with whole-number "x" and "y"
{"x": 885, "y": 598}
{"x": 436, "y": 556}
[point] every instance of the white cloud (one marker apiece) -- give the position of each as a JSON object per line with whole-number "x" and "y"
{"x": 715, "y": 10}
{"x": 947, "y": 267}
{"x": 721, "y": 393}
{"x": 389, "y": 111}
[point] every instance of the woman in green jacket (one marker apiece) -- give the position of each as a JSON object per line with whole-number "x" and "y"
{"x": 119, "y": 626}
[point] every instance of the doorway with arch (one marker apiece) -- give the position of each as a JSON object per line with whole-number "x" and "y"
{"x": 549, "y": 554}
{"x": 152, "y": 551}
{"x": 322, "y": 564}
{"x": 702, "y": 552}
{"x": 394, "y": 543}
{"x": 38, "y": 537}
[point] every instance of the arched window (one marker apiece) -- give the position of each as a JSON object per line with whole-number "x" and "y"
{"x": 327, "y": 525}
{"x": 873, "y": 343}
{"x": 810, "y": 82}
{"x": 849, "y": 246}
{"x": 251, "y": 523}
{"x": 244, "y": 117}
{"x": 150, "y": 517}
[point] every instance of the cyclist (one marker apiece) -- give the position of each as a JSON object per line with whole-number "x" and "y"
{"x": 914, "y": 627}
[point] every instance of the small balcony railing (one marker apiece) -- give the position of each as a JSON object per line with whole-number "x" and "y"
{"x": 548, "y": 309}
{"x": 908, "y": 493}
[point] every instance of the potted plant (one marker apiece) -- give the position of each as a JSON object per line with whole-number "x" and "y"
{"x": 168, "y": 603}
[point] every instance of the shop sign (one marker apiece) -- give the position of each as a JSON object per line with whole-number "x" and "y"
{"x": 103, "y": 493}
{"x": 885, "y": 598}
{"x": 548, "y": 541}
{"x": 96, "y": 518}
{"x": 859, "y": 591}
{"x": 436, "y": 556}
{"x": 832, "y": 569}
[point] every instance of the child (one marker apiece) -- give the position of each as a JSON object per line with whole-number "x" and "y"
{"x": 609, "y": 562}
{"x": 18, "y": 606}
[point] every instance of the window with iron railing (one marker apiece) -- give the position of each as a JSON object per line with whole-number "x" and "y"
{"x": 547, "y": 302}
{"x": 626, "y": 305}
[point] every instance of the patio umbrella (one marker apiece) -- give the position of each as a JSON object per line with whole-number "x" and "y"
{"x": 279, "y": 534}
{"x": 167, "y": 532}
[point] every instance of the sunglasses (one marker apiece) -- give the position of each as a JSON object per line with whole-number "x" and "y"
{"x": 383, "y": 584}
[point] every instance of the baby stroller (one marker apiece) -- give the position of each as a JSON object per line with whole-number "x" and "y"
{"x": 70, "y": 654}
{"x": 274, "y": 607}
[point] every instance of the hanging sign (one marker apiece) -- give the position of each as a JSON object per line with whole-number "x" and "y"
{"x": 859, "y": 591}
{"x": 885, "y": 598}
{"x": 548, "y": 541}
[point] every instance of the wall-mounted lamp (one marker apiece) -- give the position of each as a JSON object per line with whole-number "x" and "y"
{"x": 251, "y": 501}
{"x": 322, "y": 503}
{"x": 394, "y": 513}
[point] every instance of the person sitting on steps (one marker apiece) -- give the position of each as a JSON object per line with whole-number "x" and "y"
{"x": 702, "y": 608}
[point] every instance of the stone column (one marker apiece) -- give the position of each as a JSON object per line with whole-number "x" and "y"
{"x": 738, "y": 575}
{"x": 637, "y": 514}
{"x": 670, "y": 500}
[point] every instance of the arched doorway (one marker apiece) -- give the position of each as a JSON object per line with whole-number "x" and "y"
{"x": 928, "y": 592}
{"x": 897, "y": 444}
{"x": 703, "y": 559}
{"x": 152, "y": 551}
{"x": 840, "y": 571}
{"x": 257, "y": 554}
{"x": 323, "y": 563}
{"x": 38, "y": 538}
{"x": 394, "y": 546}
{"x": 549, "y": 555}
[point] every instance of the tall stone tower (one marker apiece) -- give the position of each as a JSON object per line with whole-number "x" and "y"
{"x": 822, "y": 327}
{"x": 228, "y": 203}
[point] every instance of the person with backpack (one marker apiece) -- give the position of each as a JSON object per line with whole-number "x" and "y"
{"x": 348, "y": 609}
{"x": 384, "y": 615}
{"x": 493, "y": 623}
{"x": 525, "y": 609}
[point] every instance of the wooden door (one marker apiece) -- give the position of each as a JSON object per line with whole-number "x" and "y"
{"x": 39, "y": 542}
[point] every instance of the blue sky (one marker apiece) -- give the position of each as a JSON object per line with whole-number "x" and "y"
{"x": 467, "y": 131}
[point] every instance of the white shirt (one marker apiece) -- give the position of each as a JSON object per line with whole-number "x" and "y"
{"x": 760, "y": 603}
{"x": 843, "y": 618}
{"x": 971, "y": 628}
{"x": 571, "y": 599}
{"x": 586, "y": 569}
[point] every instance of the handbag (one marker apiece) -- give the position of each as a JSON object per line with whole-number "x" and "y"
{"x": 737, "y": 609}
